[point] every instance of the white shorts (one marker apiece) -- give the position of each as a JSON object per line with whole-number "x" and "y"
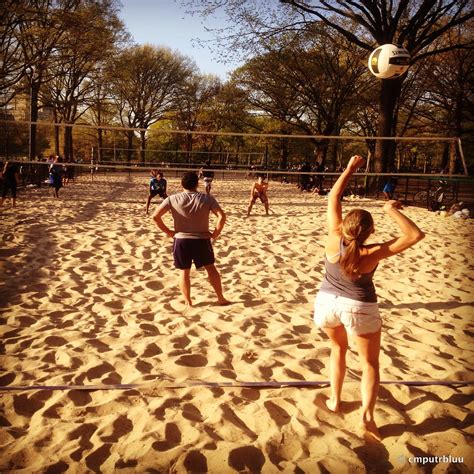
{"x": 357, "y": 317}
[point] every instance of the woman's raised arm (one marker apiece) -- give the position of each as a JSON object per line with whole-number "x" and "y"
{"x": 334, "y": 213}
{"x": 411, "y": 233}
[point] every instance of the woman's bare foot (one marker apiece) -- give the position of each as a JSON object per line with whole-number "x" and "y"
{"x": 371, "y": 432}
{"x": 332, "y": 405}
{"x": 223, "y": 302}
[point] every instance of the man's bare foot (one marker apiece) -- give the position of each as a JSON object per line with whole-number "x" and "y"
{"x": 223, "y": 302}
{"x": 370, "y": 431}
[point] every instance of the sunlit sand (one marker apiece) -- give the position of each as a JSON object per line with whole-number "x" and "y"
{"x": 89, "y": 296}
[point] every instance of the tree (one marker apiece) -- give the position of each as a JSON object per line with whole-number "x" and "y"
{"x": 414, "y": 24}
{"x": 38, "y": 27}
{"x": 309, "y": 82}
{"x": 12, "y": 65}
{"x": 192, "y": 97}
{"x": 142, "y": 82}
{"x": 74, "y": 65}
{"x": 450, "y": 82}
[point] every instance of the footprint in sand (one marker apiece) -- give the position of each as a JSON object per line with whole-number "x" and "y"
{"x": 190, "y": 412}
{"x": 98, "y": 457}
{"x": 278, "y": 414}
{"x": 193, "y": 360}
{"x": 246, "y": 458}
{"x": 154, "y": 285}
{"x": 195, "y": 462}
{"x": 121, "y": 426}
{"x": 172, "y": 438}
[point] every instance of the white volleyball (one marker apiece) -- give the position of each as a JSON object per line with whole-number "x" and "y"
{"x": 389, "y": 61}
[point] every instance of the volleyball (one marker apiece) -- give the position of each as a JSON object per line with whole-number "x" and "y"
{"x": 389, "y": 61}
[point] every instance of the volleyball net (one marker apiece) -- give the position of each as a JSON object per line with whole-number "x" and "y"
{"x": 115, "y": 145}
{"x": 308, "y": 161}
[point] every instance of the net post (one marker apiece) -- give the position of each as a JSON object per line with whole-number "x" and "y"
{"x": 452, "y": 157}
{"x": 461, "y": 154}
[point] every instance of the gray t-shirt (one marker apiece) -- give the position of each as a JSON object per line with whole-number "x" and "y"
{"x": 190, "y": 211}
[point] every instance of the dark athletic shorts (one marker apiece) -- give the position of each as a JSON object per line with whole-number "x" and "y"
{"x": 187, "y": 251}
{"x": 156, "y": 193}
{"x": 9, "y": 186}
{"x": 260, "y": 196}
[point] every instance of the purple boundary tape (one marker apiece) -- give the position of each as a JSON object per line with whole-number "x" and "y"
{"x": 197, "y": 383}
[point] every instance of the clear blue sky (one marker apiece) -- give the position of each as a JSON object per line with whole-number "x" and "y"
{"x": 165, "y": 23}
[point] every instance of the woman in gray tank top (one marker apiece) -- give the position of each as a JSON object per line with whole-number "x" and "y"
{"x": 347, "y": 302}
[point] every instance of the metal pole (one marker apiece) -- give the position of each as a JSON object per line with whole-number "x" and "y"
{"x": 461, "y": 153}
{"x": 31, "y": 132}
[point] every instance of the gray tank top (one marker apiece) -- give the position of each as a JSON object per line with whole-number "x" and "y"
{"x": 336, "y": 283}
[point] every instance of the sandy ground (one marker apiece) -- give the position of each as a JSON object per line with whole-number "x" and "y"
{"x": 89, "y": 296}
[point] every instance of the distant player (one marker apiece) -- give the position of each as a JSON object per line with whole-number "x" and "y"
{"x": 259, "y": 191}
{"x": 56, "y": 171}
{"x": 11, "y": 178}
{"x": 208, "y": 176}
{"x": 157, "y": 187}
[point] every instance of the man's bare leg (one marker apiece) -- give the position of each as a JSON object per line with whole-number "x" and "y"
{"x": 215, "y": 281}
{"x": 148, "y": 203}
{"x": 250, "y": 207}
{"x": 185, "y": 285}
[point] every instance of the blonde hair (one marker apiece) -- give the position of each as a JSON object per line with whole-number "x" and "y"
{"x": 356, "y": 228}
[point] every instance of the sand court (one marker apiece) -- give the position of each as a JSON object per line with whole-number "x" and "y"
{"x": 89, "y": 296}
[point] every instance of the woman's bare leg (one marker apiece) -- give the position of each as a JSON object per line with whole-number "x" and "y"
{"x": 337, "y": 364}
{"x": 368, "y": 346}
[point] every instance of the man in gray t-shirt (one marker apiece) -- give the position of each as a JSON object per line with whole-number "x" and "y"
{"x": 192, "y": 239}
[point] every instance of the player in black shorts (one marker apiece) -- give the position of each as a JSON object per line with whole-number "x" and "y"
{"x": 157, "y": 187}
{"x": 190, "y": 211}
{"x": 11, "y": 177}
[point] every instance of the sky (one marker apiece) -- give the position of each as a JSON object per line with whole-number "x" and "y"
{"x": 165, "y": 23}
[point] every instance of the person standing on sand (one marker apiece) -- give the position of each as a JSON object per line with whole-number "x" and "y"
{"x": 56, "y": 175}
{"x": 10, "y": 181}
{"x": 259, "y": 191}
{"x": 157, "y": 187}
{"x": 208, "y": 176}
{"x": 190, "y": 210}
{"x": 347, "y": 302}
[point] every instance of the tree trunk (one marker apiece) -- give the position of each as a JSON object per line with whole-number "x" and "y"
{"x": 129, "y": 146}
{"x": 189, "y": 146}
{"x": 284, "y": 153}
{"x": 385, "y": 149}
{"x": 68, "y": 143}
{"x": 237, "y": 154}
{"x": 142, "y": 145}
{"x": 452, "y": 158}
{"x": 100, "y": 138}
{"x": 34, "y": 91}
{"x": 333, "y": 153}
{"x": 321, "y": 151}
{"x": 100, "y": 144}
{"x": 56, "y": 134}
{"x": 445, "y": 157}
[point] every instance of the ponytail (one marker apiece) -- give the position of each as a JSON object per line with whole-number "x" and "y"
{"x": 350, "y": 260}
{"x": 356, "y": 228}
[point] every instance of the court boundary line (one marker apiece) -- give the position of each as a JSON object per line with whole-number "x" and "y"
{"x": 209, "y": 384}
